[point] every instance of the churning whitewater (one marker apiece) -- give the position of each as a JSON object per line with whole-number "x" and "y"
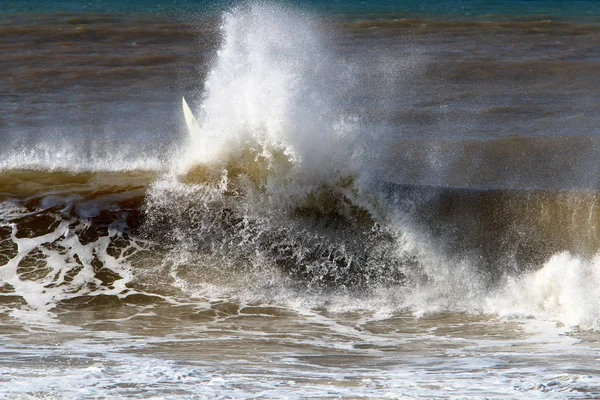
{"x": 281, "y": 248}
{"x": 281, "y": 182}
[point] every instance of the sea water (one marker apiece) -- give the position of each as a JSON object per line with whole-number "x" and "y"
{"x": 383, "y": 200}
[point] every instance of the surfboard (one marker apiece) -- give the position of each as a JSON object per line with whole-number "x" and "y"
{"x": 190, "y": 120}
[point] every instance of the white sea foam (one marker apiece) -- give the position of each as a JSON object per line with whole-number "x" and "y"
{"x": 82, "y": 156}
{"x": 322, "y": 357}
{"x": 565, "y": 289}
{"x": 63, "y": 266}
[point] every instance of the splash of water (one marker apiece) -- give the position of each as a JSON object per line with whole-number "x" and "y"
{"x": 279, "y": 190}
{"x": 279, "y": 153}
{"x": 275, "y": 91}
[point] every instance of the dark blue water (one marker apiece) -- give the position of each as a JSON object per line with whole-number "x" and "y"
{"x": 581, "y": 10}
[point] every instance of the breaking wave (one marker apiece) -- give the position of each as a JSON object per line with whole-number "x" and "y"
{"x": 278, "y": 199}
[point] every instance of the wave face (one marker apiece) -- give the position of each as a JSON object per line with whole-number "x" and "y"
{"x": 281, "y": 199}
{"x": 274, "y": 178}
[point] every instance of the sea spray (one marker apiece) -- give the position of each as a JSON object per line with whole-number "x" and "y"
{"x": 275, "y": 89}
{"x": 280, "y": 183}
{"x": 278, "y": 167}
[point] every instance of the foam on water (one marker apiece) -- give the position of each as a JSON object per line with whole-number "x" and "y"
{"x": 326, "y": 358}
{"x": 566, "y": 289}
{"x": 275, "y": 89}
{"x": 65, "y": 154}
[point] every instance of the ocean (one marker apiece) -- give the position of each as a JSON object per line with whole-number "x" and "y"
{"x": 387, "y": 199}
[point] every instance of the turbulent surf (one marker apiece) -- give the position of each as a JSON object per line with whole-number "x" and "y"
{"x": 304, "y": 184}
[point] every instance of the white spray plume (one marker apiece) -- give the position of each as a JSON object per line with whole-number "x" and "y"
{"x": 274, "y": 88}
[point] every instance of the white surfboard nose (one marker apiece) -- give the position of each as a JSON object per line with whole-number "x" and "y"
{"x": 190, "y": 120}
